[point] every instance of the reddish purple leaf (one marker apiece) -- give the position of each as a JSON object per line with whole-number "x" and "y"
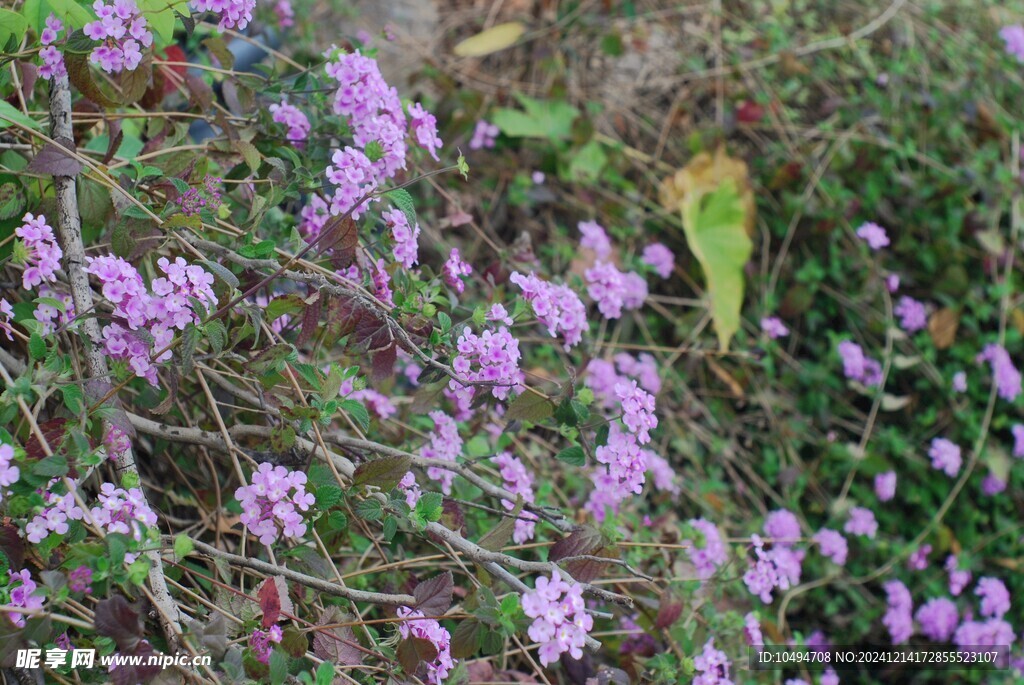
{"x": 434, "y": 596}
{"x": 56, "y": 160}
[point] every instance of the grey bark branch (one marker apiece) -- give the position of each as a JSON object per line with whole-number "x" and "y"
{"x": 69, "y": 232}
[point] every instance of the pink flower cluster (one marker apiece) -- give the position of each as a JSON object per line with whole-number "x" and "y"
{"x": 706, "y": 557}
{"x": 898, "y": 618}
{"x": 141, "y": 315}
{"x": 9, "y": 473}
{"x": 614, "y": 290}
{"x": 885, "y": 486}
{"x": 1004, "y": 374}
{"x": 857, "y": 366}
{"x": 874, "y": 235}
{"x": 262, "y": 642}
{"x": 58, "y": 510}
{"x": 712, "y": 666}
{"x": 22, "y": 595}
{"x": 43, "y": 253}
{"x": 48, "y": 316}
{"x": 444, "y": 444}
{"x": 637, "y": 410}
{"x": 493, "y": 357}
{"x": 406, "y": 237}
{"x": 958, "y": 578}
{"x": 411, "y": 488}
{"x": 454, "y": 269}
{"x": 53, "y": 60}
{"x": 779, "y": 567}
{"x": 484, "y": 135}
{"x": 519, "y": 481}
{"x": 233, "y": 14}
{"x": 557, "y": 307}
{"x": 624, "y": 472}
{"x": 292, "y": 117}
{"x": 6, "y": 314}
{"x": 122, "y": 28}
{"x": 995, "y": 598}
{"x": 659, "y": 258}
{"x": 273, "y": 500}
{"x": 123, "y": 511}
{"x": 663, "y": 476}
{"x": 430, "y": 630}
{"x": 938, "y": 618}
{"x": 285, "y": 13}
{"x": 560, "y": 621}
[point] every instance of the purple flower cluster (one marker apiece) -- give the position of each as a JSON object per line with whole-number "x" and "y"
{"x": 595, "y": 239}
{"x": 122, "y": 28}
{"x": 913, "y": 314}
{"x": 663, "y": 476}
{"x": 80, "y": 579}
{"x": 885, "y": 486}
{"x": 945, "y": 456}
{"x": 233, "y": 14}
{"x": 710, "y": 555}
{"x": 614, "y": 290}
{"x": 560, "y": 621}
{"x": 6, "y": 314}
{"x": 995, "y": 598}
{"x": 1013, "y": 36}
{"x": 424, "y": 128}
{"x": 898, "y": 618}
{"x": 140, "y": 314}
{"x": 292, "y": 117}
{"x": 493, "y": 357}
{"x": 938, "y": 618}
{"x": 637, "y": 410}
{"x": 994, "y": 632}
{"x": 122, "y": 511}
{"x": 406, "y": 237}
{"x": 1018, "y": 440}
{"x": 659, "y": 258}
{"x": 22, "y": 595}
{"x": 782, "y": 527}
{"x": 752, "y": 630}
{"x": 454, "y": 269}
{"x": 958, "y": 578}
{"x": 557, "y": 307}
{"x": 861, "y": 522}
{"x": 857, "y": 366}
{"x": 874, "y": 235}
{"x": 626, "y": 466}
{"x": 484, "y": 135}
{"x": 42, "y": 253}
{"x": 285, "y": 13}
{"x": 918, "y": 559}
{"x": 773, "y": 327}
{"x": 604, "y": 376}
{"x": 832, "y": 544}
{"x": 778, "y": 567}
{"x": 48, "y": 316}
{"x": 314, "y": 216}
{"x": 273, "y": 500}
{"x": 1004, "y": 374}
{"x": 430, "y": 630}
{"x": 444, "y": 444}
{"x": 411, "y": 488}
{"x": 959, "y": 383}
{"x": 58, "y": 510}
{"x": 712, "y": 666}
{"x": 262, "y": 642}
{"x": 53, "y": 60}
{"x": 518, "y": 481}
{"x": 9, "y": 473}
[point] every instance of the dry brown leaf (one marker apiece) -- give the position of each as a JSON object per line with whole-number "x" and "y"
{"x": 942, "y": 326}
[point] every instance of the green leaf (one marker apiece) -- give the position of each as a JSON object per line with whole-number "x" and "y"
{"x": 588, "y": 162}
{"x": 369, "y": 509}
{"x": 9, "y": 115}
{"x": 383, "y": 472}
{"x": 183, "y": 546}
{"x": 73, "y": 398}
{"x": 217, "y": 334}
{"x": 160, "y": 16}
{"x": 428, "y": 508}
{"x": 328, "y": 495}
{"x": 337, "y": 520}
{"x": 221, "y": 272}
{"x": 530, "y": 406}
{"x": 446, "y": 322}
{"x": 51, "y": 467}
{"x": 12, "y": 197}
{"x": 573, "y": 456}
{"x": 357, "y": 411}
{"x": 401, "y": 198}
{"x": 189, "y": 340}
{"x": 390, "y": 528}
{"x": 68, "y": 11}
{"x": 550, "y": 119}
{"x": 498, "y": 37}
{"x": 278, "y": 668}
{"x": 11, "y": 24}
{"x": 499, "y": 536}
{"x": 36, "y": 346}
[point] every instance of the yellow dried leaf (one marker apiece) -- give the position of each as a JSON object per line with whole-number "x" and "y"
{"x": 942, "y": 326}
{"x": 490, "y": 40}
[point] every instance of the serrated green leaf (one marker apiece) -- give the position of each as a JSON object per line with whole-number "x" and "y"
{"x": 9, "y": 115}
{"x": 73, "y": 398}
{"x": 383, "y": 472}
{"x": 550, "y": 119}
{"x": 574, "y": 456}
{"x": 337, "y": 520}
{"x": 401, "y": 198}
{"x": 36, "y": 346}
{"x": 328, "y": 495}
{"x": 222, "y": 272}
{"x": 357, "y": 411}
{"x": 390, "y": 528}
{"x": 530, "y": 406}
{"x": 183, "y": 546}
{"x": 217, "y": 334}
{"x": 51, "y": 467}
{"x": 369, "y": 509}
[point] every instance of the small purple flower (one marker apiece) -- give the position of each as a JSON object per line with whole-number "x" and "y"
{"x": 874, "y": 235}
{"x": 1014, "y": 38}
{"x": 899, "y": 615}
{"x": 782, "y": 527}
{"x": 960, "y": 382}
{"x": 945, "y": 456}
{"x": 660, "y": 258}
{"x": 832, "y": 544}
{"x": 885, "y": 486}
{"x": 1018, "y": 440}
{"x": 861, "y": 522}
{"x": 773, "y": 327}
{"x": 1004, "y": 374}
{"x": 958, "y": 578}
{"x": 80, "y": 579}
{"x": 913, "y": 315}
{"x": 538, "y": 178}
{"x": 992, "y": 485}
{"x": 938, "y": 618}
{"x": 918, "y": 560}
{"x": 892, "y": 282}
{"x": 995, "y": 598}
{"x": 484, "y": 135}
